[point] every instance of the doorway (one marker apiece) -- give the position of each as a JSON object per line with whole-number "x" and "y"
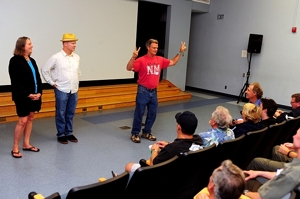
{"x": 151, "y": 24}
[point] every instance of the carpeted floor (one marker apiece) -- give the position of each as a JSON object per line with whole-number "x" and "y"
{"x": 104, "y": 145}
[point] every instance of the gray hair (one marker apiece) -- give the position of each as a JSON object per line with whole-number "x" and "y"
{"x": 229, "y": 181}
{"x": 222, "y": 117}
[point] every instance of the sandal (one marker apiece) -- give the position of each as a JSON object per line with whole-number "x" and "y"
{"x": 135, "y": 139}
{"x": 14, "y": 154}
{"x": 148, "y": 136}
{"x": 32, "y": 149}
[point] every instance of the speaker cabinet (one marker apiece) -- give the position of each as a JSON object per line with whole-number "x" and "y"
{"x": 254, "y": 44}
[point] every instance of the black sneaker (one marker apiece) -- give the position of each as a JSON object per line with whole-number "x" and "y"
{"x": 148, "y": 136}
{"x": 135, "y": 139}
{"x": 62, "y": 140}
{"x": 71, "y": 138}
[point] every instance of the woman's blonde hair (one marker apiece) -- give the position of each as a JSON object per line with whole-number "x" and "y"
{"x": 252, "y": 112}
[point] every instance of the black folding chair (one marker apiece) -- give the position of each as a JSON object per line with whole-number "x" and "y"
{"x": 228, "y": 149}
{"x": 191, "y": 173}
{"x": 268, "y": 141}
{"x": 150, "y": 182}
{"x": 246, "y": 151}
{"x": 288, "y": 131}
{"x": 110, "y": 188}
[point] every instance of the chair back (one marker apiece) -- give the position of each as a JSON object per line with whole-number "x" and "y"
{"x": 288, "y": 131}
{"x": 264, "y": 150}
{"x": 111, "y": 188}
{"x": 150, "y": 182}
{"x": 228, "y": 149}
{"x": 246, "y": 151}
{"x": 178, "y": 178}
{"x": 191, "y": 173}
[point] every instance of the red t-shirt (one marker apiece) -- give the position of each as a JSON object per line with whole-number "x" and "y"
{"x": 149, "y": 69}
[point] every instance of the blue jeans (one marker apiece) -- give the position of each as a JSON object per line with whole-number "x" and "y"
{"x": 144, "y": 98}
{"x": 65, "y": 104}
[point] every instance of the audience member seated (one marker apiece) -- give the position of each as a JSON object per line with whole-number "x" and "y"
{"x": 268, "y": 109}
{"x": 295, "y": 102}
{"x": 279, "y": 183}
{"x": 162, "y": 151}
{"x": 280, "y": 155}
{"x": 227, "y": 181}
{"x": 284, "y": 153}
{"x": 220, "y": 132}
{"x": 254, "y": 93}
{"x": 251, "y": 116}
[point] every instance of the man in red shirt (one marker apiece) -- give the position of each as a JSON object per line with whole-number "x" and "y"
{"x": 149, "y": 68}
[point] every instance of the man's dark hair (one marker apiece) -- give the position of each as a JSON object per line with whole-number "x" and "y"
{"x": 270, "y": 105}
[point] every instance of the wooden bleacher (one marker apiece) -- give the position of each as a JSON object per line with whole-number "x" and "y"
{"x": 93, "y": 98}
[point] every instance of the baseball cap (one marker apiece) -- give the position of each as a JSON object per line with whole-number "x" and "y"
{"x": 188, "y": 122}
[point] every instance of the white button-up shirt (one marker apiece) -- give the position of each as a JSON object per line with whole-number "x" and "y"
{"x": 63, "y": 70}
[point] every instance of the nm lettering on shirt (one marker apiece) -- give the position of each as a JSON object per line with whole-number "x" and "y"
{"x": 153, "y": 69}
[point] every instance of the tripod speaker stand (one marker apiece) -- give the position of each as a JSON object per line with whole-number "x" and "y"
{"x": 254, "y": 46}
{"x": 246, "y": 85}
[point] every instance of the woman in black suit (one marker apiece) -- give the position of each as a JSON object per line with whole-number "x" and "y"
{"x": 26, "y": 88}
{"x": 251, "y": 116}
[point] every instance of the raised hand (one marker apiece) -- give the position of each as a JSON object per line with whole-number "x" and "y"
{"x": 182, "y": 47}
{"x": 136, "y": 52}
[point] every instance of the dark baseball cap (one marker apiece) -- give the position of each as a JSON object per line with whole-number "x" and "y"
{"x": 188, "y": 122}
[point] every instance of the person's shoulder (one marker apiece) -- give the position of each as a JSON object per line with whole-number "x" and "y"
{"x": 229, "y": 132}
{"x": 16, "y": 57}
{"x": 248, "y": 123}
{"x": 141, "y": 58}
{"x": 295, "y": 161}
{"x": 12, "y": 61}
{"x": 296, "y": 112}
{"x": 58, "y": 54}
{"x": 197, "y": 139}
{"x": 12, "y": 58}
{"x": 207, "y": 133}
{"x": 257, "y": 102}
{"x": 162, "y": 58}
{"x": 241, "y": 125}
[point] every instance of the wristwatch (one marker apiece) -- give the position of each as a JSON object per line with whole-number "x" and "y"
{"x": 180, "y": 53}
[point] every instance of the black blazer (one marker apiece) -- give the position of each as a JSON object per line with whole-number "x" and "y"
{"x": 245, "y": 127}
{"x": 21, "y": 78}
